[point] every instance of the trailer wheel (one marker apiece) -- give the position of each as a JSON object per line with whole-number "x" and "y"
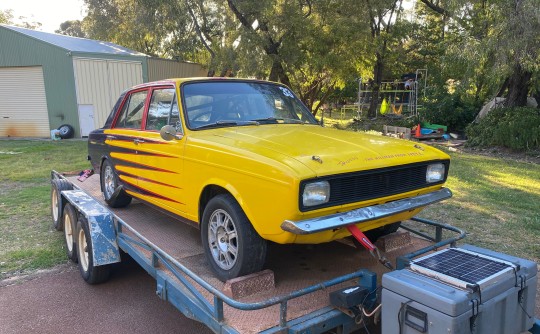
{"x": 90, "y": 273}
{"x": 57, "y": 202}
{"x": 231, "y": 245}
{"x": 115, "y": 197}
{"x": 69, "y": 219}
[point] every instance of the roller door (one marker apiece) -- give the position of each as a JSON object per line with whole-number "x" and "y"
{"x": 23, "y": 104}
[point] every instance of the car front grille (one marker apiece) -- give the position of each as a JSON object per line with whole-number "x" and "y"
{"x": 376, "y": 183}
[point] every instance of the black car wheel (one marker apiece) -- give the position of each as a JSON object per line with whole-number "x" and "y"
{"x": 231, "y": 245}
{"x": 115, "y": 196}
{"x": 66, "y": 131}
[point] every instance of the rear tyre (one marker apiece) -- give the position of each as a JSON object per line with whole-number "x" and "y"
{"x": 90, "y": 273}
{"x": 114, "y": 196}
{"x": 231, "y": 245}
{"x": 57, "y": 202}
{"x": 69, "y": 219}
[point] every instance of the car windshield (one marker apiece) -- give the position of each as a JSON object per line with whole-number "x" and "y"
{"x": 239, "y": 103}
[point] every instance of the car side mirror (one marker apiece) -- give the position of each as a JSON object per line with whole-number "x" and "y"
{"x": 168, "y": 133}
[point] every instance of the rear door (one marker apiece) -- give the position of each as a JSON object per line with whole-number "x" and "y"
{"x": 124, "y": 138}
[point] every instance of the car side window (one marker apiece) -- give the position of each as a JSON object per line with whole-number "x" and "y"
{"x": 132, "y": 111}
{"x": 161, "y": 110}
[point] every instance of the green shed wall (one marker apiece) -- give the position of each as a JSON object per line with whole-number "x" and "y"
{"x": 20, "y": 50}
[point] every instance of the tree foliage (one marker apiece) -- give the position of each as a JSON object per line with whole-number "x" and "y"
{"x": 6, "y": 16}
{"x": 473, "y": 50}
{"x": 71, "y": 28}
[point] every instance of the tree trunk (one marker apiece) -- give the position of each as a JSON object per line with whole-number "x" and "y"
{"x": 518, "y": 87}
{"x": 278, "y": 74}
{"x": 377, "y": 80}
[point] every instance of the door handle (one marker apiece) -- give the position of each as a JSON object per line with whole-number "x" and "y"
{"x": 109, "y": 137}
{"x": 138, "y": 141}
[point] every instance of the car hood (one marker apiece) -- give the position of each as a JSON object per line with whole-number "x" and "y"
{"x": 325, "y": 151}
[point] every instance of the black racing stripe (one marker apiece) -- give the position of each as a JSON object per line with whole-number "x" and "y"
{"x": 131, "y": 138}
{"x": 145, "y": 192}
{"x": 127, "y": 163}
{"x": 145, "y": 179}
{"x": 118, "y": 149}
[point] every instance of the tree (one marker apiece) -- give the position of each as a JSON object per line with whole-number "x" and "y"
{"x": 382, "y": 17}
{"x": 71, "y": 28}
{"x": 6, "y": 16}
{"x": 500, "y": 41}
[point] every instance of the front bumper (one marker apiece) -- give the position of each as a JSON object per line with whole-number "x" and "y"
{"x": 362, "y": 215}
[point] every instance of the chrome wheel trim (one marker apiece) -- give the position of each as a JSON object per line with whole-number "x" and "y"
{"x": 68, "y": 232}
{"x": 223, "y": 239}
{"x": 55, "y": 205}
{"x": 108, "y": 182}
{"x": 83, "y": 251}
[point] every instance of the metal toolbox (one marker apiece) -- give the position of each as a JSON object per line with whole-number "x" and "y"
{"x": 460, "y": 290}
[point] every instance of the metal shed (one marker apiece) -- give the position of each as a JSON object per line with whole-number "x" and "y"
{"x": 47, "y": 80}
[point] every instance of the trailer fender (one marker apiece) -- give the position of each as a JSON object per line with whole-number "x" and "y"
{"x": 101, "y": 224}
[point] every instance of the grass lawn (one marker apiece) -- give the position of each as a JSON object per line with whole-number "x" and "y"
{"x": 28, "y": 240}
{"x": 495, "y": 200}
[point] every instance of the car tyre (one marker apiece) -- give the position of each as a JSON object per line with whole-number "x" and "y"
{"x": 90, "y": 273}
{"x": 58, "y": 202}
{"x": 69, "y": 219}
{"x": 114, "y": 196}
{"x": 66, "y": 131}
{"x": 231, "y": 245}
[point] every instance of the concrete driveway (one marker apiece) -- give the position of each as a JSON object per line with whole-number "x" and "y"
{"x": 61, "y": 302}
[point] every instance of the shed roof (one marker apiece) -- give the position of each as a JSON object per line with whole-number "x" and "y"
{"x": 76, "y": 44}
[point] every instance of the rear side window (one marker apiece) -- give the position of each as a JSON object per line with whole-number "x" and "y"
{"x": 132, "y": 111}
{"x": 162, "y": 110}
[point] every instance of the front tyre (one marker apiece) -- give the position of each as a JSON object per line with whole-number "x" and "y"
{"x": 231, "y": 245}
{"x": 90, "y": 273}
{"x": 114, "y": 196}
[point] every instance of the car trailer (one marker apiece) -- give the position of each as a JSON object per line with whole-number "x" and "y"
{"x": 317, "y": 288}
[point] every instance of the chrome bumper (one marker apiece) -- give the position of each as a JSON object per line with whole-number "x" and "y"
{"x": 362, "y": 215}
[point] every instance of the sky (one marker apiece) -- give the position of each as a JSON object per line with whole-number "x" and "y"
{"x": 50, "y": 13}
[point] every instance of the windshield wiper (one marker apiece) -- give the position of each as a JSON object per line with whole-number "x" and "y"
{"x": 279, "y": 120}
{"x": 227, "y": 123}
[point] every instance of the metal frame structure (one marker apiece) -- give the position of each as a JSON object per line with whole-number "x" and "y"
{"x": 408, "y": 98}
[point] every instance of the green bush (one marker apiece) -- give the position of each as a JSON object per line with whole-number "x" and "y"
{"x": 452, "y": 110}
{"x": 516, "y": 128}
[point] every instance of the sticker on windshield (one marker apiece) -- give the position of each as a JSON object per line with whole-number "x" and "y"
{"x": 286, "y": 92}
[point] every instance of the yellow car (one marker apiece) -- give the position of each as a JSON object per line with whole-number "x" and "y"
{"x": 246, "y": 162}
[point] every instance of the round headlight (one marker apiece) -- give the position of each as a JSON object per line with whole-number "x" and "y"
{"x": 316, "y": 193}
{"x": 435, "y": 173}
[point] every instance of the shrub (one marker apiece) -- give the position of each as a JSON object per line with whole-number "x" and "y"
{"x": 452, "y": 110}
{"x": 516, "y": 128}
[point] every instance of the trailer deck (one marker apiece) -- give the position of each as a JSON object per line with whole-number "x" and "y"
{"x": 295, "y": 267}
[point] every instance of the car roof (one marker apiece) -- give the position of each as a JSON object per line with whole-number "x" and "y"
{"x": 179, "y": 81}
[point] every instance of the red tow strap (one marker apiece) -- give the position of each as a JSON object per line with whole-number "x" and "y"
{"x": 373, "y": 250}
{"x": 361, "y": 237}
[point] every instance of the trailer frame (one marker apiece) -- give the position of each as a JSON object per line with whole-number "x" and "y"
{"x": 109, "y": 237}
